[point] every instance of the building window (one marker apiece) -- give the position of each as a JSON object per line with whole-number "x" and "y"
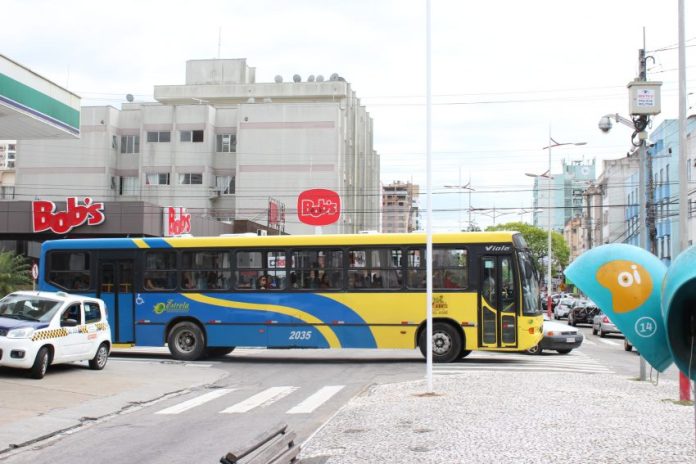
{"x": 161, "y": 178}
{"x": 128, "y": 186}
{"x": 225, "y": 184}
{"x": 191, "y": 136}
{"x": 190, "y": 178}
{"x": 162, "y": 136}
{"x": 226, "y": 143}
{"x": 688, "y": 170}
{"x": 130, "y": 144}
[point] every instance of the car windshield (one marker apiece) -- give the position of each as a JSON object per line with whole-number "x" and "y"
{"x": 28, "y": 307}
{"x": 530, "y": 284}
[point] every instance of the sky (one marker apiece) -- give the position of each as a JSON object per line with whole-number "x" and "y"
{"x": 506, "y": 74}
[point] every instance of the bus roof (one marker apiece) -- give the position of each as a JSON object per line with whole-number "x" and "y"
{"x": 280, "y": 240}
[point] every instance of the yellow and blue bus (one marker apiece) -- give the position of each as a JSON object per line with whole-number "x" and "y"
{"x": 204, "y": 296}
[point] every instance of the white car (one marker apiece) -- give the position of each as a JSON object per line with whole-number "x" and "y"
{"x": 563, "y": 308}
{"x": 38, "y": 329}
{"x": 558, "y": 337}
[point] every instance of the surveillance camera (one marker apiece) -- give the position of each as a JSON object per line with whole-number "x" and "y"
{"x": 605, "y": 124}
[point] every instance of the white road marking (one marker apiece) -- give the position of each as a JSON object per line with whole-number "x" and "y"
{"x": 588, "y": 342}
{"x": 192, "y": 403}
{"x": 264, "y": 398}
{"x": 316, "y": 400}
{"x": 609, "y": 342}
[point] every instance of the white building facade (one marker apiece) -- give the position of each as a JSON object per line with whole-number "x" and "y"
{"x": 221, "y": 146}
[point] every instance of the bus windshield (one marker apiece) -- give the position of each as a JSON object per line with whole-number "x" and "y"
{"x": 530, "y": 284}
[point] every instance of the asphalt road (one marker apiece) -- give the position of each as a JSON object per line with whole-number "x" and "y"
{"x": 259, "y": 388}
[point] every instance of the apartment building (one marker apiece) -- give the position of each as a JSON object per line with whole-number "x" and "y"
{"x": 563, "y": 192}
{"x": 8, "y": 154}
{"x": 220, "y": 146}
{"x": 399, "y": 207}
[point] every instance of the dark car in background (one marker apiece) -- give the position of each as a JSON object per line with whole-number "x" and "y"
{"x": 583, "y": 313}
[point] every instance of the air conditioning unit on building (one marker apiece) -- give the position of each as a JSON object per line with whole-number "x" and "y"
{"x": 261, "y": 232}
{"x": 215, "y": 192}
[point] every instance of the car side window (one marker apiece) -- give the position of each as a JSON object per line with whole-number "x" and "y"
{"x": 92, "y": 313}
{"x": 73, "y": 312}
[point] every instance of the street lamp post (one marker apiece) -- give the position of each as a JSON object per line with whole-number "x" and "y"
{"x": 549, "y": 177}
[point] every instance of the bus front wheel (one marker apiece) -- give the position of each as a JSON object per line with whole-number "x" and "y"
{"x": 447, "y": 343}
{"x": 186, "y": 341}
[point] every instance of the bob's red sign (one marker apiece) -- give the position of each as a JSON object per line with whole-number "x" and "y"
{"x": 176, "y": 221}
{"x": 318, "y": 207}
{"x": 45, "y": 216}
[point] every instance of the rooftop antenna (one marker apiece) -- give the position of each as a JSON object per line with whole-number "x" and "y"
{"x": 219, "y": 40}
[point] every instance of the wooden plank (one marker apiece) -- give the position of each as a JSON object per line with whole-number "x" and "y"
{"x": 274, "y": 449}
{"x": 287, "y": 457}
{"x": 254, "y": 444}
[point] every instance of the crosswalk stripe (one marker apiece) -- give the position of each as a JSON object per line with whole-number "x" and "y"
{"x": 264, "y": 398}
{"x": 316, "y": 400}
{"x": 609, "y": 342}
{"x": 588, "y": 342}
{"x": 186, "y": 405}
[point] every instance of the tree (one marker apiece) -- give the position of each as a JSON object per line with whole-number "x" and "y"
{"x": 537, "y": 240}
{"x": 14, "y": 272}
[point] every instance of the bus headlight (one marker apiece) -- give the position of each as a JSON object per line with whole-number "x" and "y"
{"x": 24, "y": 332}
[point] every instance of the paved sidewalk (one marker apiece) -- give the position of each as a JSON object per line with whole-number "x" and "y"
{"x": 511, "y": 417}
{"x": 70, "y": 395}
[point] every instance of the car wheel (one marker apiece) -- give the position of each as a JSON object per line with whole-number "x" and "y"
{"x": 564, "y": 351}
{"x": 447, "y": 343}
{"x": 627, "y": 346}
{"x": 594, "y": 331}
{"x": 534, "y": 350}
{"x": 186, "y": 341}
{"x": 43, "y": 357}
{"x": 602, "y": 333}
{"x": 98, "y": 362}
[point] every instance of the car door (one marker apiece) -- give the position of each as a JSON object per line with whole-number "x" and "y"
{"x": 71, "y": 346}
{"x": 93, "y": 317}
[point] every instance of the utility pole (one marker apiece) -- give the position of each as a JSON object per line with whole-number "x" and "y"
{"x": 647, "y": 166}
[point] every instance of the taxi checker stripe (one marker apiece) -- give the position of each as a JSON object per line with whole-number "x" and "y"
{"x": 63, "y": 332}
{"x": 46, "y": 334}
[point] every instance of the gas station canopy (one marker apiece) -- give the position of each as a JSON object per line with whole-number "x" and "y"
{"x": 32, "y": 107}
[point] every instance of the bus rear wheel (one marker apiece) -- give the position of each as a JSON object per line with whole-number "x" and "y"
{"x": 186, "y": 341}
{"x": 447, "y": 343}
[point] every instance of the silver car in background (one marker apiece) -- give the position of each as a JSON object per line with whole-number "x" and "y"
{"x": 602, "y": 324}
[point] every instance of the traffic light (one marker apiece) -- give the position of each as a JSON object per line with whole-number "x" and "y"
{"x": 654, "y": 306}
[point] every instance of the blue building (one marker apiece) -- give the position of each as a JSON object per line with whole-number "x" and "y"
{"x": 566, "y": 191}
{"x": 663, "y": 162}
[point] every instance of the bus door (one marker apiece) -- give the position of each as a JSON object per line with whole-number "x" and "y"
{"x": 115, "y": 286}
{"x": 497, "y": 302}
